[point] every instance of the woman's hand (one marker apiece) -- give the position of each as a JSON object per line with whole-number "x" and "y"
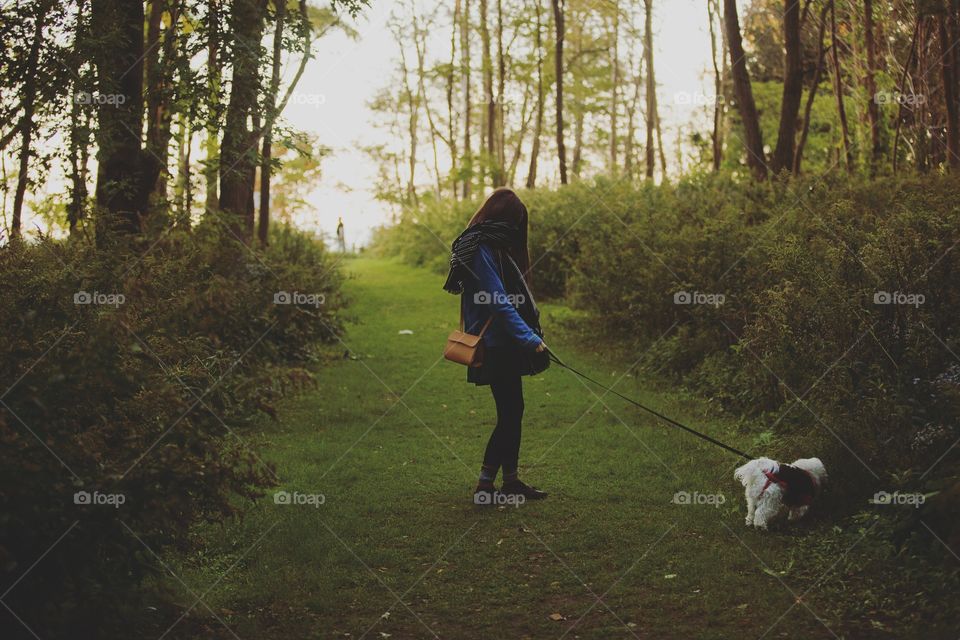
{"x": 541, "y": 347}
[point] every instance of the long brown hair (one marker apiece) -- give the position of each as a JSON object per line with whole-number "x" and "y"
{"x": 504, "y": 205}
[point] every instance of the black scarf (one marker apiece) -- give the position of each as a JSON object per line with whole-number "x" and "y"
{"x": 500, "y": 235}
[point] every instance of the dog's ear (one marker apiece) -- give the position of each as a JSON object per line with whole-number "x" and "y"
{"x": 742, "y": 473}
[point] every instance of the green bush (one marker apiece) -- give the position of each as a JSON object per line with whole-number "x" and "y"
{"x": 144, "y": 397}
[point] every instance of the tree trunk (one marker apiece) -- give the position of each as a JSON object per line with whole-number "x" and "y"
{"x": 558, "y": 21}
{"x": 451, "y": 120}
{"x": 808, "y": 108}
{"x": 873, "y": 109}
{"x": 628, "y": 164}
{"x": 525, "y": 116}
{"x": 266, "y": 150}
{"x": 420, "y": 45}
{"x": 155, "y": 89}
{"x": 948, "y": 73}
{"x": 159, "y": 69}
{"x": 214, "y": 81}
{"x": 663, "y": 156}
{"x": 238, "y": 164}
{"x": 579, "y": 113}
{"x": 274, "y": 110}
{"x": 79, "y": 128}
{"x": 576, "y": 163}
{"x": 126, "y": 174}
{"x": 753, "y": 138}
{"x": 26, "y": 123}
{"x": 467, "y": 101}
{"x": 911, "y": 56}
{"x": 538, "y": 126}
{"x": 651, "y": 87}
{"x": 792, "y": 88}
{"x": 615, "y": 85}
{"x": 184, "y": 199}
{"x": 413, "y": 115}
{"x": 838, "y": 88}
{"x": 498, "y": 174}
{"x": 716, "y": 137}
{"x": 79, "y": 138}
{"x": 490, "y": 122}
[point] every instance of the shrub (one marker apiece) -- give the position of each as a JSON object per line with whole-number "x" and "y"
{"x": 144, "y": 397}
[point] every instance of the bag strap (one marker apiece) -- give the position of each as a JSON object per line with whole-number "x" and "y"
{"x": 485, "y": 324}
{"x": 490, "y": 319}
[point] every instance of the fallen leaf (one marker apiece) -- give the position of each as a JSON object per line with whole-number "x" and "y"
{"x": 556, "y": 617}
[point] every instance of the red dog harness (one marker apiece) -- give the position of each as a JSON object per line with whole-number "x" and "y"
{"x": 794, "y": 496}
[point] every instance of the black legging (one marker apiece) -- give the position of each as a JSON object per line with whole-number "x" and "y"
{"x": 503, "y": 448}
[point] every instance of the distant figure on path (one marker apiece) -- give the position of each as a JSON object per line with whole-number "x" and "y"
{"x": 490, "y": 269}
{"x": 341, "y": 241}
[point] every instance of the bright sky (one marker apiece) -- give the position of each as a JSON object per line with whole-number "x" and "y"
{"x": 345, "y": 74}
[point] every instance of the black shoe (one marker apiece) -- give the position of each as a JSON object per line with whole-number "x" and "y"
{"x": 518, "y": 488}
{"x": 483, "y": 496}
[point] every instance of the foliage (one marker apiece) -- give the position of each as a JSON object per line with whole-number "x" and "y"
{"x": 145, "y": 396}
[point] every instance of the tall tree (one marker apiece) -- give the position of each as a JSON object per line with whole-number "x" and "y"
{"x": 716, "y": 137}
{"x": 80, "y": 124}
{"x": 126, "y": 173}
{"x": 450, "y": 77}
{"x": 558, "y": 11}
{"x": 279, "y": 20}
{"x": 753, "y": 139}
{"x": 467, "y": 100}
{"x": 29, "y": 100}
{"x": 490, "y": 120}
{"x": 632, "y": 107}
{"x": 783, "y": 153}
{"x": 160, "y": 52}
{"x": 183, "y": 188}
{"x": 908, "y": 65}
{"x": 812, "y": 94}
{"x": 949, "y": 36}
{"x": 272, "y": 107}
{"x": 651, "y": 86}
{"x": 614, "y": 85}
{"x": 870, "y": 84}
{"x": 538, "y": 125}
{"x": 838, "y": 87}
{"x": 412, "y": 99}
{"x": 238, "y": 157}
{"x": 501, "y": 158}
{"x": 420, "y": 47}
{"x": 214, "y": 81}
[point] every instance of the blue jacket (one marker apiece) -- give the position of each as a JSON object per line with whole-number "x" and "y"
{"x": 486, "y": 294}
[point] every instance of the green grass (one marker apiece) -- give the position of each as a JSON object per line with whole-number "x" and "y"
{"x": 392, "y": 438}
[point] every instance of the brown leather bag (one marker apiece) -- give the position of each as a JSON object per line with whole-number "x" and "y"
{"x": 466, "y": 348}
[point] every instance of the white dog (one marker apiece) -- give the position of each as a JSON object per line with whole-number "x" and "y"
{"x": 772, "y": 487}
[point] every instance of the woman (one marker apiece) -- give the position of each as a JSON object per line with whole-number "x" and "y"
{"x": 490, "y": 269}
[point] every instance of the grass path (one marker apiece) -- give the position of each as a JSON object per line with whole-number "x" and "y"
{"x": 392, "y": 438}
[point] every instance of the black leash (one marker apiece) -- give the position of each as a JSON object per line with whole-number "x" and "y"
{"x": 670, "y": 421}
